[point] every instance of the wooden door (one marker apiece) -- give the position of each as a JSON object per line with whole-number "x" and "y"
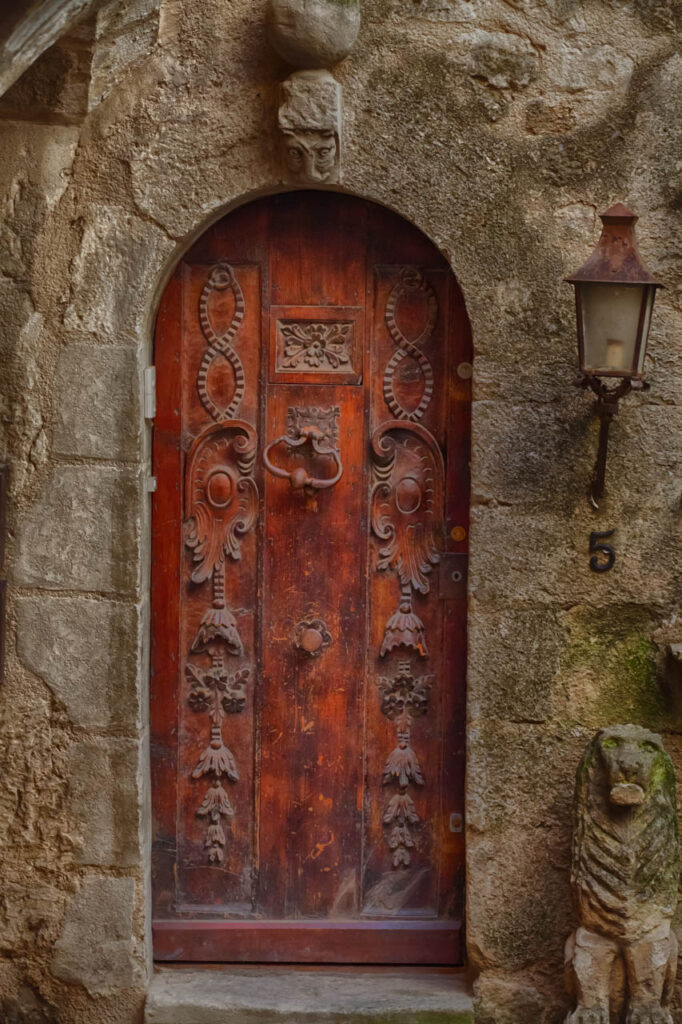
{"x": 310, "y": 528}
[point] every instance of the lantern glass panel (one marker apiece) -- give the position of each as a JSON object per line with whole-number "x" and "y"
{"x": 646, "y": 323}
{"x": 610, "y": 326}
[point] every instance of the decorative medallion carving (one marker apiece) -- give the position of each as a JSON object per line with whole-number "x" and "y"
{"x": 410, "y": 281}
{"x": 309, "y": 121}
{"x": 403, "y": 698}
{"x": 407, "y": 514}
{"x": 309, "y": 346}
{"x": 221, "y": 277}
{"x": 221, "y": 506}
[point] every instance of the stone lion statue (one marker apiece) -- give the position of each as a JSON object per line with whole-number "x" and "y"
{"x": 622, "y": 960}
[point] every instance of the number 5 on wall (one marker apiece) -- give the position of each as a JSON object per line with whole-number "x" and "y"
{"x": 604, "y": 549}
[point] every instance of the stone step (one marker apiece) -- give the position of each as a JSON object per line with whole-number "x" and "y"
{"x": 273, "y": 995}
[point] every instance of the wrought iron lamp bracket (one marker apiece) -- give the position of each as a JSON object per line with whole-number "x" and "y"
{"x": 606, "y": 407}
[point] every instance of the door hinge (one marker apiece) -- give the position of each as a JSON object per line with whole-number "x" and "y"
{"x": 150, "y": 392}
{"x": 151, "y": 484}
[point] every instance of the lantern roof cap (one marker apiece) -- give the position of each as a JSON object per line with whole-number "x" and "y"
{"x": 615, "y": 259}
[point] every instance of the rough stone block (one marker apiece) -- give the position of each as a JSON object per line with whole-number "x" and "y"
{"x": 504, "y": 1001}
{"x": 513, "y": 662}
{"x": 532, "y": 455}
{"x": 82, "y": 532}
{"x": 519, "y": 907}
{"x": 508, "y": 776}
{"x": 502, "y": 60}
{"x": 94, "y": 948}
{"x": 610, "y": 672}
{"x": 103, "y": 798}
{"x": 86, "y": 651}
{"x": 234, "y": 995}
{"x": 549, "y": 559}
{"x": 113, "y": 275}
{"x": 96, "y": 402}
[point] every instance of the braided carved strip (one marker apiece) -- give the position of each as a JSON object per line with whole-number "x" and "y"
{"x": 222, "y": 276}
{"x": 410, "y": 280}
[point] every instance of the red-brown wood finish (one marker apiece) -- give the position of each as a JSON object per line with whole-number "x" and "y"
{"x": 308, "y": 593}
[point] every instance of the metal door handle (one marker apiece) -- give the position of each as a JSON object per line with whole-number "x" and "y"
{"x": 299, "y": 478}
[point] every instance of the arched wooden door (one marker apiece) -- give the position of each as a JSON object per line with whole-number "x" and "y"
{"x": 310, "y": 524}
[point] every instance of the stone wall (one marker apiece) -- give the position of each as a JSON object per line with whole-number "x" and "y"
{"x": 499, "y": 127}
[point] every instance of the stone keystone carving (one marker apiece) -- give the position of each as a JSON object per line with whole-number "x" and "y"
{"x": 622, "y": 959}
{"x": 310, "y": 125}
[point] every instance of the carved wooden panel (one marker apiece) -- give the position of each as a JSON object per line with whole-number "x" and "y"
{"x": 311, "y": 449}
{"x": 322, "y": 344}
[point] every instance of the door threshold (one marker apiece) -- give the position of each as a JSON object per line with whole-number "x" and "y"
{"x": 272, "y": 994}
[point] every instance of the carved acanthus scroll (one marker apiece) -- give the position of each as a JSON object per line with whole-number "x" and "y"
{"x": 407, "y": 514}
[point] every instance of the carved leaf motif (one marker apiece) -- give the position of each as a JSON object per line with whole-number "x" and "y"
{"x": 221, "y": 497}
{"x": 216, "y": 803}
{"x": 402, "y": 766}
{"x": 218, "y": 759}
{"x": 407, "y": 500}
{"x": 401, "y": 808}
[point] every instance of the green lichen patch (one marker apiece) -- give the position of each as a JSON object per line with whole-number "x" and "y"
{"x": 608, "y": 669}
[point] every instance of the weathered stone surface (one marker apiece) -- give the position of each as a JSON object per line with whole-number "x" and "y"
{"x": 126, "y": 31}
{"x": 28, "y": 30}
{"x": 313, "y": 33}
{"x": 230, "y": 996}
{"x": 82, "y": 532}
{"x": 27, "y": 1008}
{"x": 508, "y": 1001}
{"x": 95, "y": 948}
{"x": 96, "y": 405}
{"x": 502, "y": 61}
{"x": 611, "y": 667}
{"x": 551, "y": 557}
{"x": 502, "y": 644}
{"x": 103, "y": 799}
{"x": 108, "y": 297}
{"x": 508, "y": 778}
{"x": 509, "y": 932}
{"x": 87, "y": 653}
{"x": 623, "y": 955}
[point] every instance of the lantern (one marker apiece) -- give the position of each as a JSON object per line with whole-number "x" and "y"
{"x": 614, "y": 296}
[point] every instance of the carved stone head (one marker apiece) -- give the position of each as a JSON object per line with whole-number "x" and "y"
{"x": 310, "y": 126}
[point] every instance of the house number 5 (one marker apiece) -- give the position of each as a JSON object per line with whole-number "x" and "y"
{"x": 597, "y": 564}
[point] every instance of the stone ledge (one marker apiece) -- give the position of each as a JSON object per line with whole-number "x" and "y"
{"x": 266, "y": 995}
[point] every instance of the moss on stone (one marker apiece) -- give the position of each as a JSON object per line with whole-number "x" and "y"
{"x": 608, "y": 668}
